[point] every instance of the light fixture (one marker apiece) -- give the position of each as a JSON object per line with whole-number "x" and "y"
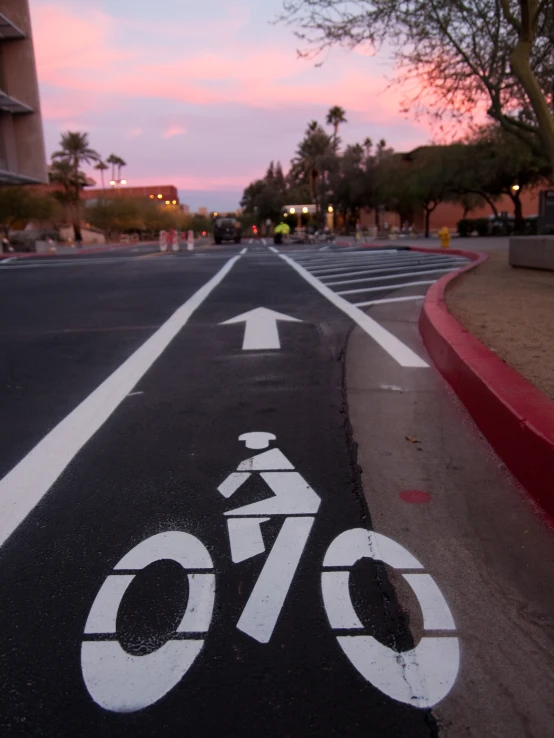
{"x": 304, "y": 210}
{"x": 174, "y": 202}
{"x": 292, "y": 211}
{"x": 167, "y": 202}
{"x": 112, "y": 182}
{"x": 515, "y": 187}
{"x": 215, "y": 215}
{"x": 159, "y": 197}
{"x": 330, "y": 209}
{"x": 151, "y": 197}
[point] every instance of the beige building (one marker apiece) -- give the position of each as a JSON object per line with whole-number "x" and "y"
{"x": 22, "y": 155}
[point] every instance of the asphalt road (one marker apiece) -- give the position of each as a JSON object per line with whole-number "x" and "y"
{"x": 161, "y": 574}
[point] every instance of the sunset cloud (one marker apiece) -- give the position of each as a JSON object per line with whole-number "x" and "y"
{"x": 174, "y": 131}
{"x": 126, "y": 75}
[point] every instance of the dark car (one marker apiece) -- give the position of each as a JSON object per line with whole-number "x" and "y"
{"x": 226, "y": 229}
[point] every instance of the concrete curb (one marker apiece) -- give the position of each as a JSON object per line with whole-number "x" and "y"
{"x": 515, "y": 417}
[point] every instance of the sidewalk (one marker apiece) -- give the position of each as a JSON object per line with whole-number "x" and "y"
{"x": 510, "y": 311}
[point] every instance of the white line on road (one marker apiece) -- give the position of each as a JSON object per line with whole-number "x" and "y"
{"x": 390, "y": 276}
{"x": 272, "y": 248}
{"x": 244, "y": 250}
{"x": 26, "y": 484}
{"x": 389, "y": 266}
{"x": 390, "y": 299}
{"x": 384, "y": 287}
{"x": 392, "y": 345}
{"x": 335, "y": 274}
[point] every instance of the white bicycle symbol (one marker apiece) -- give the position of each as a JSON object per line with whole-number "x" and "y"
{"x": 121, "y": 682}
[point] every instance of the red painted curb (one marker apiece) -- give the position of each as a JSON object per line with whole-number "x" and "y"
{"x": 515, "y": 417}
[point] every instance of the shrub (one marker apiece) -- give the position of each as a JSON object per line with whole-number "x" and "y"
{"x": 481, "y": 225}
{"x": 465, "y": 226}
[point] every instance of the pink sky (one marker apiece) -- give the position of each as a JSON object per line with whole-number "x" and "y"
{"x": 200, "y": 103}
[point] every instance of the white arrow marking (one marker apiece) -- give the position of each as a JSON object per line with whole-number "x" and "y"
{"x": 261, "y": 328}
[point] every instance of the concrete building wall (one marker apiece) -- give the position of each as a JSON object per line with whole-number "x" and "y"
{"x": 448, "y": 214}
{"x": 167, "y": 192}
{"x": 22, "y": 133}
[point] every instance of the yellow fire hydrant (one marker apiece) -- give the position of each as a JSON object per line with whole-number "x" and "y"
{"x": 444, "y": 235}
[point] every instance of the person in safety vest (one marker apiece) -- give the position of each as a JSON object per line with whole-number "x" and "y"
{"x": 281, "y": 230}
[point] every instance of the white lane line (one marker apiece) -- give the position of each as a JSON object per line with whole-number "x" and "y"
{"x": 362, "y": 260}
{"x": 390, "y": 299}
{"x": 275, "y": 251}
{"x": 26, "y": 484}
{"x": 390, "y": 276}
{"x": 77, "y": 261}
{"x": 389, "y": 266}
{"x": 393, "y": 346}
{"x": 384, "y": 287}
{"x": 133, "y": 394}
{"x": 384, "y": 272}
{"x": 334, "y": 256}
{"x": 244, "y": 250}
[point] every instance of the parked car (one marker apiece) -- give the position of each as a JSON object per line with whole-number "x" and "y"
{"x": 227, "y": 229}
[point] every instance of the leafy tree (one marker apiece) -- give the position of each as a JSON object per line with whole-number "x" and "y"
{"x": 504, "y": 165}
{"x": 266, "y": 197}
{"x": 19, "y": 205}
{"x": 74, "y": 152}
{"x": 313, "y": 157}
{"x": 463, "y": 54}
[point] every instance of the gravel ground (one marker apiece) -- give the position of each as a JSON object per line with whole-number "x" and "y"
{"x": 512, "y": 312}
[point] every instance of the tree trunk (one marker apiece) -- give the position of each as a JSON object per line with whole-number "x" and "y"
{"x": 77, "y": 219}
{"x": 519, "y": 220}
{"x": 427, "y": 221}
{"x": 491, "y": 203}
{"x": 519, "y": 62}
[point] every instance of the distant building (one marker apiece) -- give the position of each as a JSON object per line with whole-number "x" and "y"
{"x": 164, "y": 194}
{"x": 22, "y": 155}
{"x": 185, "y": 208}
{"x": 203, "y": 211}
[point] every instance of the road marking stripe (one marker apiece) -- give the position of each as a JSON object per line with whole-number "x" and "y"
{"x": 244, "y": 250}
{"x": 397, "y": 265}
{"x": 384, "y": 272}
{"x": 390, "y": 299}
{"x": 27, "y": 483}
{"x": 392, "y": 345}
{"x": 384, "y": 287}
{"x": 391, "y": 276}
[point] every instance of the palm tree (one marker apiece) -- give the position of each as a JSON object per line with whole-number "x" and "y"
{"x": 120, "y": 163}
{"x": 112, "y": 159}
{"x": 311, "y": 159}
{"x": 335, "y": 117}
{"x": 368, "y": 145}
{"x": 75, "y": 150}
{"x": 101, "y": 166}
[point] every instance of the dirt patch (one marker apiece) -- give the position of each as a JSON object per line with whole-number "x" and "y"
{"x": 512, "y": 312}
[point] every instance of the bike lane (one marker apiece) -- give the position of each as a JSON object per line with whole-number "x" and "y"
{"x": 155, "y": 467}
